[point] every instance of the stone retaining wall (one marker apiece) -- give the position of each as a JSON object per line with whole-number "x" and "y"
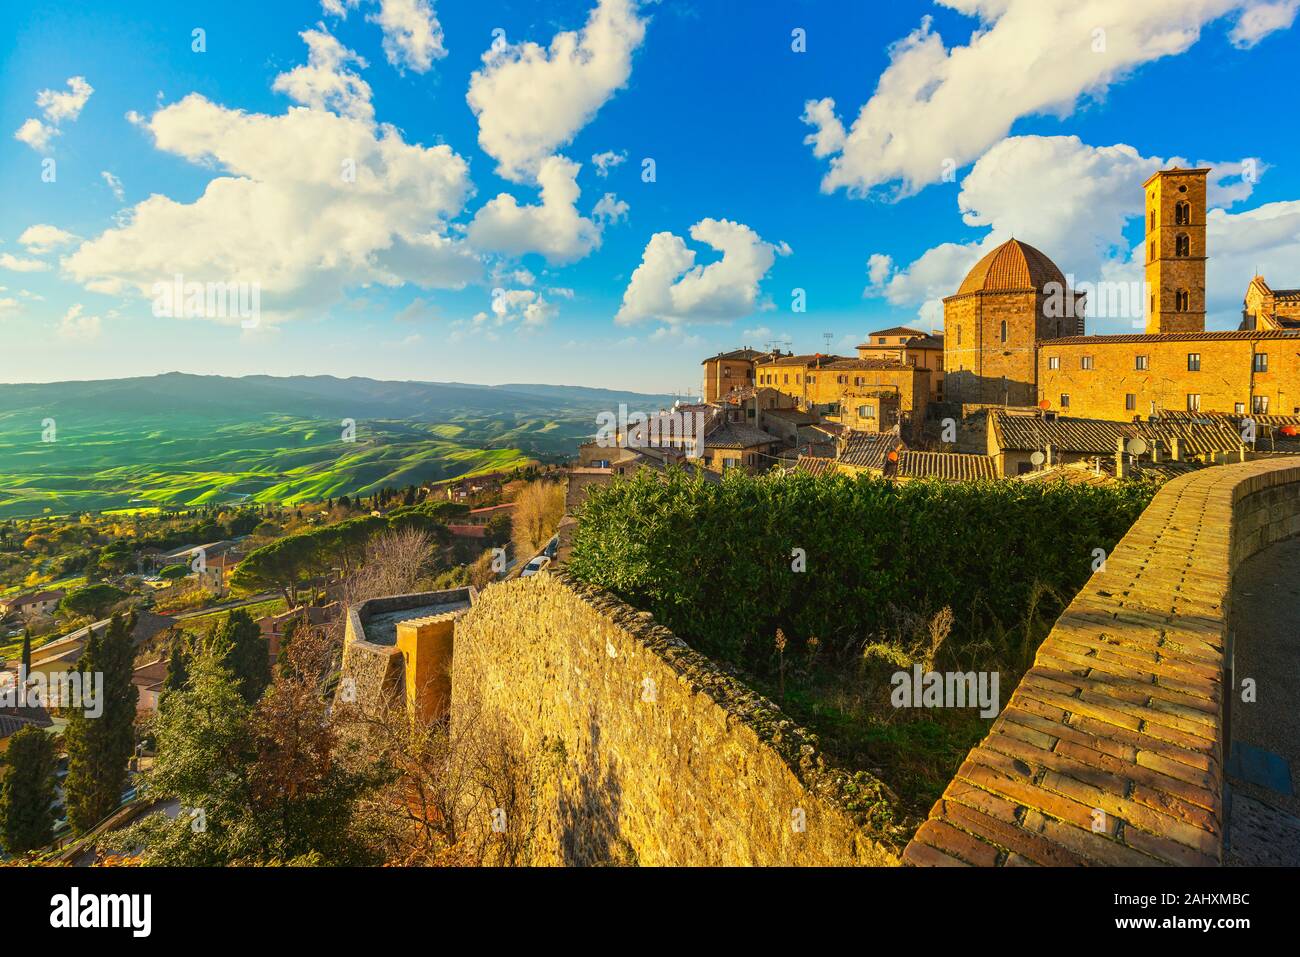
{"x": 1111, "y": 750}
{"x": 661, "y": 758}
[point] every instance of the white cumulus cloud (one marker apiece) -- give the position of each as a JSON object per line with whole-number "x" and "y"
{"x": 1093, "y": 193}
{"x": 326, "y": 82}
{"x": 43, "y": 238}
{"x": 669, "y": 286}
{"x": 609, "y": 209}
{"x": 530, "y": 100}
{"x": 57, "y": 106}
{"x": 413, "y": 36}
{"x": 306, "y": 204}
{"x": 554, "y": 228}
{"x": 936, "y": 109}
{"x": 19, "y": 264}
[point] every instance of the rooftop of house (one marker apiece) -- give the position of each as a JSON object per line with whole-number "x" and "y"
{"x": 1197, "y": 436}
{"x": 949, "y": 466}
{"x": 747, "y": 354}
{"x": 1219, "y": 336}
{"x": 810, "y": 359}
{"x": 897, "y": 331}
{"x": 32, "y": 599}
{"x": 876, "y": 365}
{"x": 70, "y": 646}
{"x": 816, "y": 465}
{"x": 737, "y": 435}
{"x": 207, "y": 547}
{"x": 868, "y": 449}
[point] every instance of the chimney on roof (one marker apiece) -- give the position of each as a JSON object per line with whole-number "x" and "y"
{"x": 1119, "y": 457}
{"x": 1242, "y": 452}
{"x": 1047, "y": 452}
{"x": 1176, "y": 448}
{"x": 1155, "y": 452}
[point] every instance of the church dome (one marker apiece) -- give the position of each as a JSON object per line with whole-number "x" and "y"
{"x": 1012, "y": 266}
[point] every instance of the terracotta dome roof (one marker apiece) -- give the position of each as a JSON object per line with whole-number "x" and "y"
{"x": 1013, "y": 265}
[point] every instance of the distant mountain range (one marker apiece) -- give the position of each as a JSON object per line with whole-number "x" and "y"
{"x": 311, "y": 396}
{"x": 180, "y": 440}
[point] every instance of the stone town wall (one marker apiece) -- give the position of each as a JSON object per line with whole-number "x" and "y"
{"x": 1111, "y": 750}
{"x": 663, "y": 758}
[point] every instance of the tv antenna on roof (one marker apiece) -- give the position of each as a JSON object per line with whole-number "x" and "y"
{"x": 828, "y": 336}
{"x": 774, "y": 345}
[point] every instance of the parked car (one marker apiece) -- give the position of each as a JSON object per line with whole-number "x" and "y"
{"x": 535, "y": 566}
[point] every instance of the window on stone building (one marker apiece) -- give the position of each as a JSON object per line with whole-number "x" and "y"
{"x": 1153, "y": 220}
{"x": 959, "y": 335}
{"x": 1130, "y": 402}
{"x": 1182, "y": 245}
{"x": 1182, "y": 213}
{"x": 1151, "y": 250}
{"x": 1193, "y": 362}
{"x": 1065, "y": 400}
{"x": 1004, "y": 330}
{"x": 1053, "y": 362}
{"x": 1259, "y": 404}
{"x": 1085, "y": 362}
{"x": 857, "y": 380}
{"x": 1193, "y": 402}
{"x": 1261, "y": 361}
{"x": 812, "y": 379}
{"x": 1141, "y": 363}
{"x": 785, "y": 379}
{"x": 1182, "y": 300}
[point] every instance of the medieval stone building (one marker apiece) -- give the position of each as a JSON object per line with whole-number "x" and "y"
{"x": 1011, "y": 301}
{"x": 1014, "y": 333}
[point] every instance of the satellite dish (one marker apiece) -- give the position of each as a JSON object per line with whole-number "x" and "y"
{"x": 1137, "y": 446}
{"x": 1038, "y": 458}
{"x": 1045, "y": 404}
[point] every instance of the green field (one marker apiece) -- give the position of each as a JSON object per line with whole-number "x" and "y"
{"x": 178, "y": 440}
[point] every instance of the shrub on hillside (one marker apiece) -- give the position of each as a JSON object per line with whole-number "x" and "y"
{"x": 716, "y": 562}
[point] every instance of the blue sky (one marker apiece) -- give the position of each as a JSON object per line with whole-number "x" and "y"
{"x": 869, "y": 170}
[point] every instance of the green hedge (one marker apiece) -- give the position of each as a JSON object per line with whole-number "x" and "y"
{"x": 713, "y": 561}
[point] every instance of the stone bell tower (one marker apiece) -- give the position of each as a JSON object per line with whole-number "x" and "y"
{"x": 1175, "y": 250}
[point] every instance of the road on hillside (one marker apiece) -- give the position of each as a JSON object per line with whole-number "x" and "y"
{"x": 265, "y": 596}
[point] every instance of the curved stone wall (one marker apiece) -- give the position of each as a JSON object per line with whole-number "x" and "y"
{"x": 1111, "y": 749}
{"x": 662, "y": 758}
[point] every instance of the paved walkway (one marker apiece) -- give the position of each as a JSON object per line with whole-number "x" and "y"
{"x": 1111, "y": 750}
{"x": 1263, "y": 819}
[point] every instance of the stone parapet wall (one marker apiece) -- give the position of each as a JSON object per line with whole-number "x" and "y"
{"x": 663, "y": 759}
{"x": 1111, "y": 750}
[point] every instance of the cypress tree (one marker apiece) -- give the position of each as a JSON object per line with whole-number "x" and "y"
{"x": 239, "y": 643}
{"x": 178, "y": 670}
{"x": 100, "y": 747}
{"x": 27, "y": 791}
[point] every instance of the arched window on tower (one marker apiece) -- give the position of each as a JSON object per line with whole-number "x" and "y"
{"x": 1182, "y": 245}
{"x": 1182, "y": 300}
{"x": 1182, "y": 213}
{"x": 1153, "y": 219}
{"x": 1003, "y": 330}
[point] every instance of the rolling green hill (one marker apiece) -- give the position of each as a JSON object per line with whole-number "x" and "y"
{"x": 177, "y": 440}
